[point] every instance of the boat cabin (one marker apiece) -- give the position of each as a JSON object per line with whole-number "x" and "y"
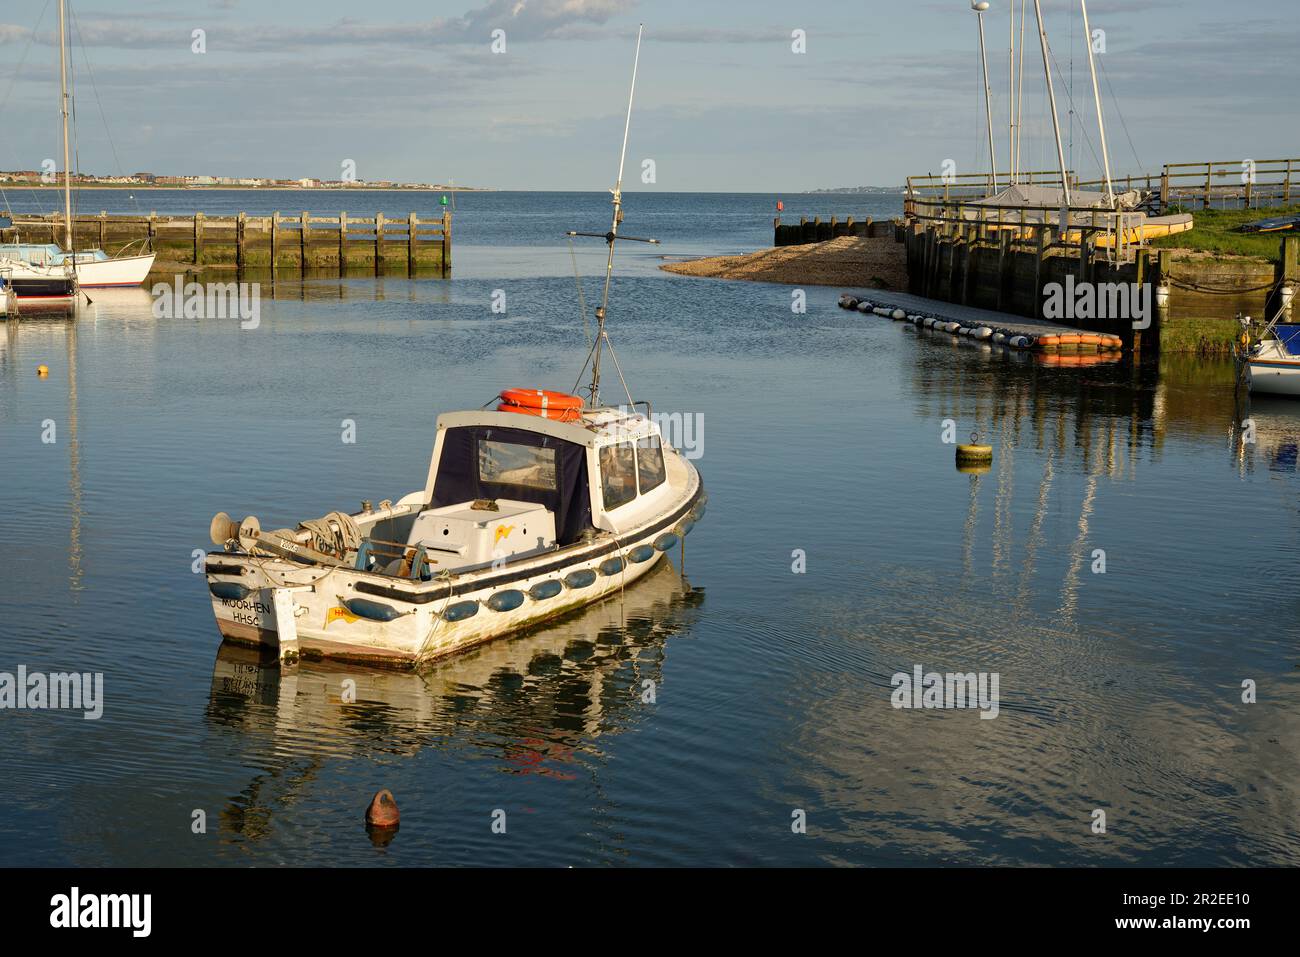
{"x": 504, "y": 486}
{"x": 49, "y": 254}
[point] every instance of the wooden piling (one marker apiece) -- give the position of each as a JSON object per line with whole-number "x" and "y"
{"x": 379, "y": 242}
{"x": 198, "y": 239}
{"x": 303, "y": 240}
{"x": 446, "y": 242}
{"x": 410, "y": 244}
{"x": 343, "y": 243}
{"x": 275, "y": 233}
{"x": 241, "y": 225}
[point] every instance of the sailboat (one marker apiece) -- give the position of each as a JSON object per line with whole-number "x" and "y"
{"x": 548, "y": 502}
{"x": 88, "y": 267}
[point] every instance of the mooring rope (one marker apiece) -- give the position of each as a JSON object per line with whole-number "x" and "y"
{"x": 1219, "y": 290}
{"x": 337, "y": 532}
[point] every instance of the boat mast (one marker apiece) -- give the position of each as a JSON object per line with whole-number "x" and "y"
{"x": 1096, "y": 95}
{"x": 1011, "y": 95}
{"x": 1056, "y": 123}
{"x": 1020, "y": 89}
{"x": 612, "y": 235}
{"x": 67, "y": 173}
{"x": 979, "y": 6}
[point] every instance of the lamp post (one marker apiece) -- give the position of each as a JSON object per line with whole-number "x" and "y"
{"x": 980, "y": 6}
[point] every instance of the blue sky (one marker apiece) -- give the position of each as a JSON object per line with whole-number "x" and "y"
{"x": 413, "y": 90}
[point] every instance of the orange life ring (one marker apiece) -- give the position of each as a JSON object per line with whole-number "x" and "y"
{"x": 548, "y": 405}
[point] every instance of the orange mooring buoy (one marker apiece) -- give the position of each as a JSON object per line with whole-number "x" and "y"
{"x": 383, "y": 810}
{"x": 42, "y": 371}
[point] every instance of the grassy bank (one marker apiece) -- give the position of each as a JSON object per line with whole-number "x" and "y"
{"x": 1215, "y": 232}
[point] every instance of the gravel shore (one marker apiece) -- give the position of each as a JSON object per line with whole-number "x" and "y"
{"x": 851, "y": 261}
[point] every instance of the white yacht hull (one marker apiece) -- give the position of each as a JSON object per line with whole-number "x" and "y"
{"x": 1273, "y": 371}
{"x": 126, "y": 271}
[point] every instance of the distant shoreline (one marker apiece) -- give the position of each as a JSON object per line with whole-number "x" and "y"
{"x": 262, "y": 189}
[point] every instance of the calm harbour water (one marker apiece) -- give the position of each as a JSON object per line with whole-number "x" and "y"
{"x": 821, "y": 432}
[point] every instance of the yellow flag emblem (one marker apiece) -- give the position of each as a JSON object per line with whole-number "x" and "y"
{"x": 503, "y": 531}
{"x": 337, "y": 612}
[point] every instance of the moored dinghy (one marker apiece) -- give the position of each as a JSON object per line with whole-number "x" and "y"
{"x": 544, "y": 504}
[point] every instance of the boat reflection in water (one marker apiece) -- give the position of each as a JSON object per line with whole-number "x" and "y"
{"x": 534, "y": 703}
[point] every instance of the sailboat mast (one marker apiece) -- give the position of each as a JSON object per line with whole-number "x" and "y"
{"x": 979, "y": 7}
{"x": 1056, "y": 123}
{"x": 1096, "y": 95}
{"x": 1020, "y": 88}
{"x": 68, "y": 181}
{"x": 613, "y": 230}
{"x": 1011, "y": 94}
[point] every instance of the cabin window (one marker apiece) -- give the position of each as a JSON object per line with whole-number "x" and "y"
{"x": 650, "y": 463}
{"x": 618, "y": 474}
{"x": 509, "y": 463}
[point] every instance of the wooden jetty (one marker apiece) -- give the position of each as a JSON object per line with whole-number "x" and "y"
{"x": 1225, "y": 183}
{"x": 304, "y": 241}
{"x": 817, "y": 231}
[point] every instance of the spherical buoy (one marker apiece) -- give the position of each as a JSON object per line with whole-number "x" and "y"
{"x": 898, "y": 314}
{"x": 42, "y": 371}
{"x": 382, "y": 812}
{"x": 983, "y": 332}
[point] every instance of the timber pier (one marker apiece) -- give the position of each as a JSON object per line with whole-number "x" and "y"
{"x": 302, "y": 241}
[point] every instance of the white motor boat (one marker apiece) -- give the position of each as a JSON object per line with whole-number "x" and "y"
{"x": 548, "y": 502}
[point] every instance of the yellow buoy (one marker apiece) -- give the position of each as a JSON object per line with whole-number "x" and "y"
{"x": 42, "y": 370}
{"x": 974, "y": 456}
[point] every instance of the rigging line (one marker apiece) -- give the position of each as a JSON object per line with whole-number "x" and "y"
{"x": 117, "y": 161}
{"x": 4, "y": 101}
{"x": 582, "y": 299}
{"x": 1115, "y": 103}
{"x": 1086, "y": 138}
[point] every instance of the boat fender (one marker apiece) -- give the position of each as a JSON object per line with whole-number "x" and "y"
{"x": 460, "y": 611}
{"x": 612, "y": 566}
{"x": 507, "y": 600}
{"x": 864, "y": 307}
{"x": 373, "y": 610}
{"x": 983, "y": 332}
{"x": 1020, "y": 342}
{"x": 898, "y": 315}
{"x": 881, "y": 311}
{"x": 642, "y": 553}
{"x": 229, "y": 591}
{"x": 547, "y": 589}
{"x": 582, "y": 578}
{"x": 666, "y": 541}
{"x": 999, "y": 338}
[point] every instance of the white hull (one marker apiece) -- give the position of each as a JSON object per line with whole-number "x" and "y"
{"x": 126, "y": 271}
{"x": 1273, "y": 371}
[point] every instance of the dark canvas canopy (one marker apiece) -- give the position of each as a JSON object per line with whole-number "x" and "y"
{"x": 458, "y": 478}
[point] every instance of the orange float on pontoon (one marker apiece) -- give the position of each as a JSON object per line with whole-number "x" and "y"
{"x": 549, "y": 405}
